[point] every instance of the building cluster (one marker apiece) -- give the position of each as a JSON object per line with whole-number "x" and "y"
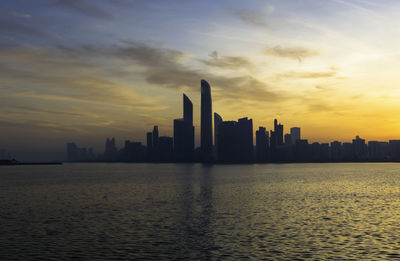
{"x": 233, "y": 143}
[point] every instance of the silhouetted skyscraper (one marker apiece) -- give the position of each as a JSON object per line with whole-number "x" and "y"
{"x": 288, "y": 139}
{"x": 336, "y": 150}
{"x": 187, "y": 110}
{"x": 155, "y": 136}
{"x": 72, "y": 154}
{"x": 206, "y": 121}
{"x": 295, "y": 133}
{"x": 394, "y": 149}
{"x": 132, "y": 152}
{"x": 149, "y": 140}
{"x": 184, "y": 133}
{"x": 302, "y": 152}
{"x": 165, "y": 147}
{"x": 155, "y": 143}
{"x": 149, "y": 144}
{"x": 217, "y": 122}
{"x": 278, "y": 129}
{"x": 244, "y": 136}
{"x": 111, "y": 151}
{"x": 360, "y": 148}
{"x": 227, "y": 141}
{"x": 261, "y": 144}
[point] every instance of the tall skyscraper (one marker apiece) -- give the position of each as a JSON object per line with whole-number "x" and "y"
{"x": 72, "y": 154}
{"x": 187, "y": 110}
{"x": 149, "y": 143}
{"x": 261, "y": 144}
{"x": 244, "y": 149}
{"x": 155, "y": 136}
{"x": 184, "y": 133}
{"x": 155, "y": 153}
{"x": 217, "y": 122}
{"x": 227, "y": 141}
{"x": 295, "y": 133}
{"x": 206, "y": 122}
{"x": 288, "y": 139}
{"x": 360, "y": 148}
{"x": 149, "y": 140}
{"x": 278, "y": 128}
{"x": 111, "y": 151}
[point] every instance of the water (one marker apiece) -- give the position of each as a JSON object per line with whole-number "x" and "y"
{"x": 194, "y": 211}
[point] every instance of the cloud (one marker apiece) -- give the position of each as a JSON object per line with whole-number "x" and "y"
{"x": 42, "y": 126}
{"x": 227, "y": 62}
{"x": 47, "y": 74}
{"x": 9, "y": 27}
{"x": 168, "y": 68}
{"x": 306, "y": 75}
{"x": 320, "y": 107}
{"x": 254, "y": 18}
{"x": 86, "y": 8}
{"x": 20, "y": 15}
{"x": 297, "y": 53}
{"x": 37, "y": 110}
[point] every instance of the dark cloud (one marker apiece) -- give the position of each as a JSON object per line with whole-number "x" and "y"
{"x": 227, "y": 62}
{"x": 297, "y": 53}
{"x": 85, "y": 7}
{"x": 142, "y": 54}
{"x": 254, "y": 18}
{"x": 47, "y": 74}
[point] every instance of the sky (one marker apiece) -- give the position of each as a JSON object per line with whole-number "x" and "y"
{"x": 86, "y": 70}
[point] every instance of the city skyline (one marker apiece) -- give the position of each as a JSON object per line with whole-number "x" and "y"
{"x": 116, "y": 68}
{"x": 233, "y": 143}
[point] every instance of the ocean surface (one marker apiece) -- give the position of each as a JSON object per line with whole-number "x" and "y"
{"x": 195, "y": 211}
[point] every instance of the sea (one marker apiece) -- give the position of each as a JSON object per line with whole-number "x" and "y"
{"x": 97, "y": 211}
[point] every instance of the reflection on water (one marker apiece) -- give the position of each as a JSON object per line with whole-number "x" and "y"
{"x": 194, "y": 211}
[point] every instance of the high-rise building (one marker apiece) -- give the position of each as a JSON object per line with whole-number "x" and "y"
{"x": 360, "y": 148}
{"x": 217, "y": 122}
{"x": 394, "y": 149}
{"x": 295, "y": 133}
{"x": 155, "y": 136}
{"x": 187, "y": 110}
{"x": 261, "y": 145}
{"x": 206, "y": 122}
{"x": 244, "y": 133}
{"x": 72, "y": 153}
{"x": 132, "y": 152}
{"x": 149, "y": 144}
{"x": 184, "y": 133}
{"x": 336, "y": 151}
{"x": 302, "y": 152}
{"x": 278, "y": 129}
{"x": 155, "y": 152}
{"x": 288, "y": 139}
{"x": 378, "y": 150}
{"x": 165, "y": 147}
{"x": 227, "y": 141}
{"x": 111, "y": 151}
{"x": 149, "y": 140}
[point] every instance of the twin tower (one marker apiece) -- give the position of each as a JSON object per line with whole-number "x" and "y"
{"x": 184, "y": 129}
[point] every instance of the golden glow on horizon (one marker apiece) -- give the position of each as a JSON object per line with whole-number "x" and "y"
{"x": 332, "y": 72}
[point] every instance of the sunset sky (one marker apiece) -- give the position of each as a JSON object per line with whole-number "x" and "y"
{"x": 86, "y": 70}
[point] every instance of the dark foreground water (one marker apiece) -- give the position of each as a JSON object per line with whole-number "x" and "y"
{"x": 168, "y": 211}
